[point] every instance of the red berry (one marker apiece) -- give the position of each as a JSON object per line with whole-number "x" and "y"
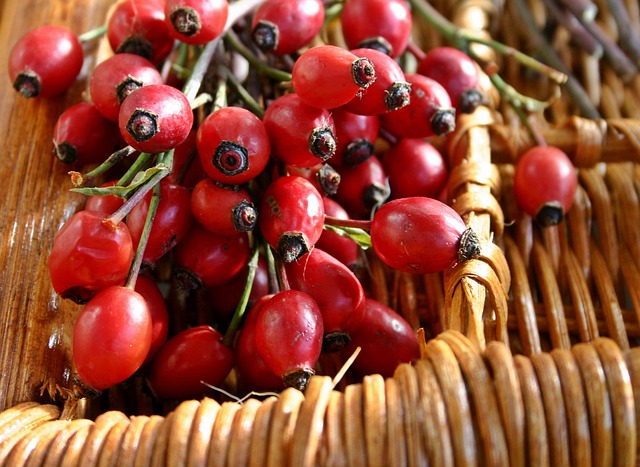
{"x": 45, "y": 61}
{"x": 356, "y": 136}
{"x": 322, "y": 176}
{"x": 170, "y": 225}
{"x": 347, "y": 73}
{"x": 104, "y": 203}
{"x": 289, "y": 336}
{"x": 155, "y": 118}
{"x": 415, "y": 168}
{"x": 429, "y": 113}
{"x": 189, "y": 361}
{"x": 111, "y": 337}
{"x": 139, "y": 27}
{"x": 233, "y": 145}
{"x": 457, "y": 73}
{"x": 385, "y": 339}
{"x": 421, "y": 235}
{"x": 291, "y": 216}
{"x": 89, "y": 253}
{"x": 342, "y": 248}
{"x": 82, "y": 135}
{"x": 337, "y": 291}
{"x": 300, "y": 135}
{"x": 363, "y": 187}
{"x": 389, "y": 92}
{"x": 118, "y": 76}
{"x": 204, "y": 259}
{"x": 545, "y": 183}
{"x": 196, "y": 21}
{"x": 221, "y": 209}
{"x": 284, "y": 26}
{"x": 381, "y": 24}
{"x": 152, "y": 295}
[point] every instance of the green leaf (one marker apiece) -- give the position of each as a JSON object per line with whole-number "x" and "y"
{"x": 361, "y": 237}
{"x": 124, "y": 191}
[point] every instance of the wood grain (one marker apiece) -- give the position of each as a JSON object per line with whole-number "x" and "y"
{"x": 35, "y": 326}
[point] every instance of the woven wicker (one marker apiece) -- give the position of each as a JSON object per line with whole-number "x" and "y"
{"x": 529, "y": 353}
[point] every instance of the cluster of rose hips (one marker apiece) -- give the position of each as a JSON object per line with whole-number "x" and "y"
{"x": 259, "y": 208}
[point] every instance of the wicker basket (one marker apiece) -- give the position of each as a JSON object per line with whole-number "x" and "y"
{"x": 529, "y": 353}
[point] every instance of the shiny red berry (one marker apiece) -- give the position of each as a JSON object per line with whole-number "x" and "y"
{"x": 45, "y": 61}
{"x": 196, "y": 21}
{"x": 545, "y": 183}
{"x": 155, "y": 118}
{"x": 159, "y": 313}
{"x": 421, "y": 235}
{"x": 342, "y": 248}
{"x": 356, "y": 136}
{"x": 223, "y": 209}
{"x": 363, "y": 187}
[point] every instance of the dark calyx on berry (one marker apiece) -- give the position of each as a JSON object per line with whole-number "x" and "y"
{"x": 443, "y": 121}
{"x": 298, "y": 379}
{"x": 231, "y": 158}
{"x": 328, "y": 179}
{"x": 550, "y": 214}
{"x": 357, "y": 151}
{"x": 186, "y": 21}
{"x": 470, "y": 100}
{"x": 363, "y": 72}
{"x": 245, "y": 216}
{"x": 378, "y": 43}
{"x": 66, "y": 152}
{"x": 292, "y": 245}
{"x": 398, "y": 95}
{"x": 335, "y": 341}
{"x": 322, "y": 143}
{"x": 138, "y": 45}
{"x": 188, "y": 280}
{"x": 142, "y": 125}
{"x": 469, "y": 245}
{"x": 374, "y": 196}
{"x": 126, "y": 87}
{"x": 28, "y": 84}
{"x": 83, "y": 389}
{"x": 265, "y": 35}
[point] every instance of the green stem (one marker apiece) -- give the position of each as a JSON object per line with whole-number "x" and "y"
{"x": 248, "y": 99}
{"x": 239, "y": 312}
{"x": 80, "y": 180}
{"x": 272, "y": 270}
{"x": 142, "y": 162}
{"x": 93, "y": 34}
{"x": 258, "y": 64}
{"x": 132, "y": 276}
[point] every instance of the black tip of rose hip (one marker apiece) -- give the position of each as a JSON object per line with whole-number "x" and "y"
{"x": 363, "y": 72}
{"x": 335, "y": 341}
{"x": 328, "y": 179}
{"x": 136, "y": 45}
{"x": 298, "y": 379}
{"x": 322, "y": 143}
{"x": 378, "y": 43}
{"x": 66, "y": 152}
{"x": 244, "y": 216}
{"x": 27, "y": 83}
{"x": 126, "y": 87}
{"x": 443, "y": 121}
{"x": 469, "y": 100}
{"x": 231, "y": 158}
{"x": 469, "y": 245}
{"x": 188, "y": 280}
{"x": 398, "y": 95}
{"x": 292, "y": 245}
{"x": 142, "y": 125}
{"x": 84, "y": 390}
{"x": 374, "y": 195}
{"x": 550, "y": 214}
{"x": 265, "y": 35}
{"x": 357, "y": 151}
{"x": 186, "y": 21}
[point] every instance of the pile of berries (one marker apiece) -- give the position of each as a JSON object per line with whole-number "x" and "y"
{"x": 257, "y": 193}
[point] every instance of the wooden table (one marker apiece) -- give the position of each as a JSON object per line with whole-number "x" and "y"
{"x": 35, "y": 325}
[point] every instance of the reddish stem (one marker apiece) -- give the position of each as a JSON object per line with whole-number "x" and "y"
{"x": 353, "y": 223}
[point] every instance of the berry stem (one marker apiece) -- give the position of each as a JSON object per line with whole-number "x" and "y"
{"x": 239, "y": 312}
{"x": 80, "y": 180}
{"x": 350, "y": 223}
{"x": 92, "y": 34}
{"x": 142, "y": 162}
{"x": 260, "y": 65}
{"x": 272, "y": 271}
{"x": 627, "y": 34}
{"x": 132, "y": 276}
{"x": 248, "y": 99}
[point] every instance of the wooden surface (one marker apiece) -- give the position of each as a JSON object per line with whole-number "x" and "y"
{"x": 34, "y": 324}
